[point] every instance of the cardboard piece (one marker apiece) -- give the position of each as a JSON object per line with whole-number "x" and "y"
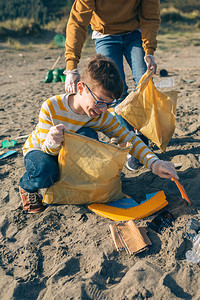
{"x": 128, "y": 236}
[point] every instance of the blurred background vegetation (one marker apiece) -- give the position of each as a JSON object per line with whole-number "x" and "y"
{"x": 24, "y": 18}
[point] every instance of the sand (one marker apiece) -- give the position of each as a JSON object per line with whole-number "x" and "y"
{"x": 67, "y": 252}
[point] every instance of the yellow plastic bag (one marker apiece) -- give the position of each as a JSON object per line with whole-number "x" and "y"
{"x": 89, "y": 172}
{"x": 150, "y": 111}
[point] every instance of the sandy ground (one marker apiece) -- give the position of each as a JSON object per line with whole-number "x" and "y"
{"x": 67, "y": 252}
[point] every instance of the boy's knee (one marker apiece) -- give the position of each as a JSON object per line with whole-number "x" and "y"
{"x": 48, "y": 179}
{"x": 52, "y": 172}
{"x": 49, "y": 174}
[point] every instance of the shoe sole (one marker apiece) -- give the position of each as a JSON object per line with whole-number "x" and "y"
{"x": 131, "y": 169}
{"x": 34, "y": 211}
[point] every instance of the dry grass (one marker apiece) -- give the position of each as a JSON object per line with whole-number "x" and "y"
{"x": 177, "y": 40}
{"x": 174, "y": 19}
{"x": 12, "y": 43}
{"x": 16, "y": 44}
{"x": 16, "y": 24}
{"x": 58, "y": 26}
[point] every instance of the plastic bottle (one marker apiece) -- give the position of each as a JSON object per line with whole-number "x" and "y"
{"x": 165, "y": 83}
{"x": 193, "y": 234}
{"x": 192, "y": 228}
{"x": 8, "y": 144}
{"x": 192, "y": 257}
{"x": 194, "y": 254}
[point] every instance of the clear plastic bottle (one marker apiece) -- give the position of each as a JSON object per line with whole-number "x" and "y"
{"x": 194, "y": 254}
{"x": 192, "y": 257}
{"x": 165, "y": 83}
{"x": 192, "y": 228}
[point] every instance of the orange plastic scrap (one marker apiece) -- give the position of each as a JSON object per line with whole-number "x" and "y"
{"x": 181, "y": 189}
{"x": 154, "y": 204}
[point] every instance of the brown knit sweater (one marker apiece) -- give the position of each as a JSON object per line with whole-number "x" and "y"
{"x": 111, "y": 17}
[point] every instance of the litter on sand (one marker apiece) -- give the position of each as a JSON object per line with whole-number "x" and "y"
{"x": 126, "y": 235}
{"x": 181, "y": 189}
{"x": 8, "y": 144}
{"x": 163, "y": 220}
{"x": 21, "y": 137}
{"x": 6, "y": 154}
{"x": 165, "y": 83}
{"x": 163, "y": 73}
{"x": 11, "y": 143}
{"x": 126, "y": 208}
{"x": 55, "y": 75}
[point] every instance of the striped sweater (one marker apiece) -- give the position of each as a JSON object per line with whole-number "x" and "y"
{"x": 56, "y": 110}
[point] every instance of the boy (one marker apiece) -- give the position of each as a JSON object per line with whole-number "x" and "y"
{"x": 85, "y": 113}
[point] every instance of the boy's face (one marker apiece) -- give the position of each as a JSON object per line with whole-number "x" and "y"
{"x": 88, "y": 103}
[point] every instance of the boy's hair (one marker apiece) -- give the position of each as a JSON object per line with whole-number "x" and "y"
{"x": 103, "y": 72}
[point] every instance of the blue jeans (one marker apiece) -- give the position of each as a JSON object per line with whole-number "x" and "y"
{"x": 42, "y": 169}
{"x": 127, "y": 45}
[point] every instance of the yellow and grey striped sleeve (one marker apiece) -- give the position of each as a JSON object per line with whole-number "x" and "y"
{"x": 109, "y": 125}
{"x": 142, "y": 152}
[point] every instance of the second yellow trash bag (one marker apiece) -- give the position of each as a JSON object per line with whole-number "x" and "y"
{"x": 150, "y": 111}
{"x": 89, "y": 172}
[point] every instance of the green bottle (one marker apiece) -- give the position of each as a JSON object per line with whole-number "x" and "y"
{"x": 7, "y": 144}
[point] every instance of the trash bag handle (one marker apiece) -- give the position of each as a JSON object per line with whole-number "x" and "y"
{"x": 148, "y": 76}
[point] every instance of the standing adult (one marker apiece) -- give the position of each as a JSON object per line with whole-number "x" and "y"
{"x": 122, "y": 28}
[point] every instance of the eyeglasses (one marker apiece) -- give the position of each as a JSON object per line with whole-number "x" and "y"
{"x": 101, "y": 103}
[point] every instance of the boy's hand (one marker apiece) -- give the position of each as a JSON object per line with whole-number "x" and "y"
{"x": 55, "y": 135}
{"x": 71, "y": 80}
{"x": 164, "y": 169}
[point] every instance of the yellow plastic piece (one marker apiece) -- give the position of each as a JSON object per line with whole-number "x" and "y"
{"x": 181, "y": 189}
{"x": 154, "y": 204}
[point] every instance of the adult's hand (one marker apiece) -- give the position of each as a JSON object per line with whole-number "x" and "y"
{"x": 71, "y": 80}
{"x": 150, "y": 62}
{"x": 164, "y": 169}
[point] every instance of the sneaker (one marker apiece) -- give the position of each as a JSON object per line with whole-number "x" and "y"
{"x": 32, "y": 202}
{"x": 132, "y": 163}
